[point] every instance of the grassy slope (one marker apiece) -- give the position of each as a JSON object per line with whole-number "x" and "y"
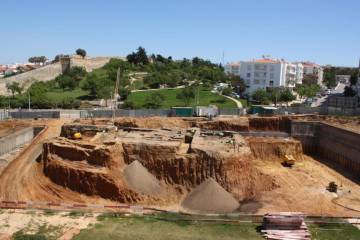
{"x": 206, "y": 98}
{"x": 150, "y": 228}
{"x": 334, "y": 232}
{"x": 59, "y": 94}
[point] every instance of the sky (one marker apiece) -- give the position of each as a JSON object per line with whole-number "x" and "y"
{"x": 322, "y": 31}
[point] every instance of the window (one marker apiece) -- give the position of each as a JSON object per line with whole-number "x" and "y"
{"x": 249, "y": 67}
{"x": 271, "y": 83}
{"x": 260, "y": 67}
{"x": 271, "y": 76}
{"x": 247, "y": 82}
{"x": 256, "y": 81}
{"x": 272, "y": 68}
{"x": 248, "y": 75}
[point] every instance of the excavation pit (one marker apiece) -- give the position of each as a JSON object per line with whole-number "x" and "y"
{"x": 181, "y": 154}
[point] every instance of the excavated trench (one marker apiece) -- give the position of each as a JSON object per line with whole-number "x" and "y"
{"x": 96, "y": 169}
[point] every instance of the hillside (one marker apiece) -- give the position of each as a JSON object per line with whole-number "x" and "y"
{"x": 206, "y": 98}
{"x": 50, "y": 72}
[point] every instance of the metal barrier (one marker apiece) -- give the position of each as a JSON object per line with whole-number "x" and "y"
{"x": 34, "y": 114}
{"x": 124, "y": 113}
{"x": 232, "y": 111}
{"x": 4, "y": 115}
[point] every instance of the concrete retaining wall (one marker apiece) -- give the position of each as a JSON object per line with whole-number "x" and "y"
{"x": 331, "y": 143}
{"x": 17, "y": 139}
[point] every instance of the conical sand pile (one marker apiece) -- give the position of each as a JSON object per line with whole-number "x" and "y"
{"x": 140, "y": 180}
{"x": 210, "y": 197}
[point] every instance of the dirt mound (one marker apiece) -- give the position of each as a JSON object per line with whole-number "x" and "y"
{"x": 230, "y": 124}
{"x": 282, "y": 124}
{"x": 153, "y": 122}
{"x": 209, "y": 196}
{"x": 274, "y": 149}
{"x": 11, "y": 126}
{"x": 140, "y": 180}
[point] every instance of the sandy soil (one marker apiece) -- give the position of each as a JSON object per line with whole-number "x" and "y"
{"x": 303, "y": 188}
{"x": 60, "y": 225}
{"x": 23, "y": 179}
{"x": 11, "y": 126}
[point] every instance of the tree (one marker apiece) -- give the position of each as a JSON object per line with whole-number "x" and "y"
{"x": 301, "y": 90}
{"x": 71, "y": 79}
{"x": 104, "y": 91}
{"x": 95, "y": 80}
{"x": 186, "y": 94}
{"x": 81, "y": 52}
{"x": 349, "y": 91}
{"x": 66, "y": 82}
{"x": 38, "y": 93}
{"x": 312, "y": 90}
{"x": 287, "y": 96}
{"x": 37, "y": 59}
{"x": 261, "y": 96}
{"x": 128, "y": 104}
{"x": 14, "y": 87}
{"x": 310, "y": 79}
{"x": 227, "y": 91}
{"x": 238, "y": 83}
{"x": 139, "y": 57}
{"x": 274, "y": 95}
{"x": 353, "y": 79}
{"x": 330, "y": 79}
{"x": 154, "y": 100}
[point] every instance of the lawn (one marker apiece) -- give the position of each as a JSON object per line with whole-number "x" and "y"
{"x": 58, "y": 94}
{"x": 129, "y": 228}
{"x": 335, "y": 231}
{"x": 206, "y": 98}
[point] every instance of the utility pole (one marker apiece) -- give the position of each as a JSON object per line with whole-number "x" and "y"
{"x": 29, "y": 101}
{"x": 116, "y": 94}
{"x": 198, "y": 96}
{"x": 223, "y": 59}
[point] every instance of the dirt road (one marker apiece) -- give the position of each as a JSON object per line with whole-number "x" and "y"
{"x": 22, "y": 179}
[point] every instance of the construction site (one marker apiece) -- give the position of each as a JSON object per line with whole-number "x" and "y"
{"x": 245, "y": 165}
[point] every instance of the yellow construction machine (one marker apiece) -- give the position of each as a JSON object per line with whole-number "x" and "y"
{"x": 77, "y": 136}
{"x": 288, "y": 161}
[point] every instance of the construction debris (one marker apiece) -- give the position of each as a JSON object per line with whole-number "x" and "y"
{"x": 285, "y": 226}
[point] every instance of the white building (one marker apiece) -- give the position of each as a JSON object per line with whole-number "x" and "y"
{"x": 266, "y": 73}
{"x": 314, "y": 69}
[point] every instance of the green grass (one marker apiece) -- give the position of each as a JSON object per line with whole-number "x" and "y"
{"x": 244, "y": 102}
{"x": 206, "y": 98}
{"x": 342, "y": 231}
{"x": 128, "y": 228}
{"x": 58, "y": 94}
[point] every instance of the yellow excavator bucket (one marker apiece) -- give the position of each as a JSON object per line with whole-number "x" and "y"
{"x": 77, "y": 135}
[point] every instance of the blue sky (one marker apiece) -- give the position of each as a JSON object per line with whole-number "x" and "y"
{"x": 325, "y": 31}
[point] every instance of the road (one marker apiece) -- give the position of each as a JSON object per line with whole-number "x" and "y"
{"x": 338, "y": 90}
{"x": 238, "y": 103}
{"x": 23, "y": 180}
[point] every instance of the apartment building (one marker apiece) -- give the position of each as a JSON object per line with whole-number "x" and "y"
{"x": 314, "y": 69}
{"x": 266, "y": 73}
